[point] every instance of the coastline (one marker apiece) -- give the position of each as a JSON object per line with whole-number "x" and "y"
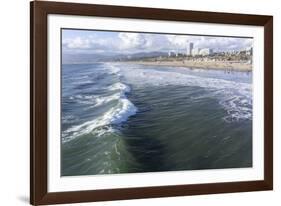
{"x": 208, "y": 65}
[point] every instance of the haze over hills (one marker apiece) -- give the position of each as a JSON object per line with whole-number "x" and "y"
{"x": 79, "y": 58}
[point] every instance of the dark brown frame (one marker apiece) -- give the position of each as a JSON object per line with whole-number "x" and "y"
{"x": 38, "y": 102}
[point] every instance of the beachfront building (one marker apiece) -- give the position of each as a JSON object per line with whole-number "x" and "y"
{"x": 172, "y": 54}
{"x": 233, "y": 52}
{"x": 249, "y": 51}
{"x": 201, "y": 52}
{"x": 195, "y": 51}
{"x": 205, "y": 51}
{"x": 189, "y": 49}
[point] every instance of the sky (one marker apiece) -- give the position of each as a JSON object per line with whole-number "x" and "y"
{"x": 91, "y": 41}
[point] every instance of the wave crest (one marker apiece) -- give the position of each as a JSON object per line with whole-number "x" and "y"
{"x": 102, "y": 124}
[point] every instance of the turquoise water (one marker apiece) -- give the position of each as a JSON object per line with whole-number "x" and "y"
{"x": 124, "y": 118}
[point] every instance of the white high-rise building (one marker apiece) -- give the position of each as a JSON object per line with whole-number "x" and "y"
{"x": 195, "y": 51}
{"x": 205, "y": 51}
{"x": 189, "y": 49}
{"x": 249, "y": 51}
{"x": 172, "y": 53}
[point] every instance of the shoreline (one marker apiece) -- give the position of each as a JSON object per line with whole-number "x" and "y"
{"x": 208, "y": 65}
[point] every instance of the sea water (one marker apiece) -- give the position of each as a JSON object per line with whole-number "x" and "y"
{"x": 124, "y": 118}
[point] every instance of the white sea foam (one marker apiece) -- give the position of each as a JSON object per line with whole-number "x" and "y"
{"x": 112, "y": 68}
{"x": 121, "y": 90}
{"x": 68, "y": 119}
{"x": 115, "y": 115}
{"x": 101, "y": 100}
{"x": 83, "y": 99}
{"x": 120, "y": 86}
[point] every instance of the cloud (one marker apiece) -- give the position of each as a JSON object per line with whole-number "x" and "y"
{"x": 89, "y": 43}
{"x": 223, "y": 43}
{"x": 77, "y": 43}
{"x": 140, "y": 42}
{"x": 178, "y": 40}
{"x": 135, "y": 42}
{"x": 132, "y": 41}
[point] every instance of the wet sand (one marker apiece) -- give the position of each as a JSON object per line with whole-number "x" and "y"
{"x": 217, "y": 65}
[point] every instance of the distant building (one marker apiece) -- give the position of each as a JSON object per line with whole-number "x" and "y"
{"x": 205, "y": 51}
{"x": 249, "y": 51}
{"x": 189, "y": 49}
{"x": 172, "y": 54}
{"x": 169, "y": 53}
{"x": 195, "y": 51}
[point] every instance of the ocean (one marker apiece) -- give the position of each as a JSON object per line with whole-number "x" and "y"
{"x": 130, "y": 118}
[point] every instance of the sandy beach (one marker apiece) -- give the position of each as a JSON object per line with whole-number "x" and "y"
{"x": 218, "y": 65}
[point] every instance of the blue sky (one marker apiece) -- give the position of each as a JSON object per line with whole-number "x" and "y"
{"x": 90, "y": 41}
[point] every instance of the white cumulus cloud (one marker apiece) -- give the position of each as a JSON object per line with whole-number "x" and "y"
{"x": 77, "y": 42}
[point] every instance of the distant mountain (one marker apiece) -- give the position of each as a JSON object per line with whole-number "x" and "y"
{"x": 148, "y": 54}
{"x": 84, "y": 58}
{"x": 91, "y": 58}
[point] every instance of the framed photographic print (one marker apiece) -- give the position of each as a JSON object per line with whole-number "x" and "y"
{"x": 131, "y": 102}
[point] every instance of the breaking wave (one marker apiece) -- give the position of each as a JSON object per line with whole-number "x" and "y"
{"x": 120, "y": 110}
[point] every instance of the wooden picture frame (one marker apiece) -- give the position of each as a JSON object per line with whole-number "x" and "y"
{"x": 39, "y": 10}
